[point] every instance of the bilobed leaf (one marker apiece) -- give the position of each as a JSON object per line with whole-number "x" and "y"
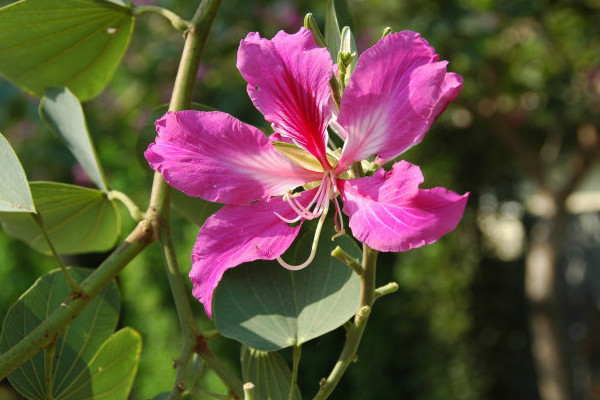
{"x": 72, "y": 43}
{"x": 77, "y": 219}
{"x": 269, "y": 307}
{"x": 269, "y": 373}
{"x": 332, "y": 31}
{"x": 15, "y": 195}
{"x": 74, "y": 348}
{"x": 111, "y": 371}
{"x": 63, "y": 114}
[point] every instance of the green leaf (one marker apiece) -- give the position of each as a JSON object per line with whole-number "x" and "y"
{"x": 269, "y": 373}
{"x": 269, "y": 307}
{"x": 62, "y": 112}
{"x": 15, "y": 195}
{"x": 72, "y": 43}
{"x": 77, "y": 219}
{"x": 332, "y": 31}
{"x": 74, "y": 348}
{"x": 111, "y": 371}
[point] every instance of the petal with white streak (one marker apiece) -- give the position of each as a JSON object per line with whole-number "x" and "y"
{"x": 215, "y": 156}
{"x": 288, "y": 81}
{"x": 396, "y": 92}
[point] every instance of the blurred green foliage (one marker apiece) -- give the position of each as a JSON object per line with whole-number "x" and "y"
{"x": 457, "y": 328}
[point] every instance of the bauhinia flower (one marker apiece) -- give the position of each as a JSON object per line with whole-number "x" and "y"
{"x": 268, "y": 184}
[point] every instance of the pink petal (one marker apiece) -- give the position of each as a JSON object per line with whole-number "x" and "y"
{"x": 396, "y": 92}
{"x": 239, "y": 234}
{"x": 288, "y": 81}
{"x": 389, "y": 212}
{"x": 214, "y": 156}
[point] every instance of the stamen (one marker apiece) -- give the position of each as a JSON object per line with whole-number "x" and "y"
{"x": 338, "y": 227}
{"x": 313, "y": 250}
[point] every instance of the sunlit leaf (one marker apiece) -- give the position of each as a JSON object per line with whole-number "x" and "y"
{"x": 269, "y": 373}
{"x": 62, "y": 112}
{"x": 15, "y": 195}
{"x": 269, "y": 307}
{"x": 332, "y": 31}
{"x": 77, "y": 219}
{"x": 111, "y": 371}
{"x": 74, "y": 348}
{"x": 72, "y": 43}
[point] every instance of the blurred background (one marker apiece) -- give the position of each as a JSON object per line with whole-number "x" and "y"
{"x": 505, "y": 307}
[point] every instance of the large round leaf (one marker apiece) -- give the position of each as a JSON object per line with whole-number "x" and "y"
{"x": 15, "y": 195}
{"x": 269, "y": 307}
{"x": 110, "y": 372}
{"x": 74, "y": 348}
{"x": 72, "y": 43}
{"x": 77, "y": 219}
{"x": 269, "y": 373}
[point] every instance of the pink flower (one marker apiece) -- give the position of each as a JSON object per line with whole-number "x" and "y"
{"x": 396, "y": 92}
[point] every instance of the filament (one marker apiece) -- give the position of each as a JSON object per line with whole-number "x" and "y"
{"x": 313, "y": 250}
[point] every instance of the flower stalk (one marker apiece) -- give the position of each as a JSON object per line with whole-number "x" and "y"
{"x": 347, "y": 259}
{"x": 355, "y": 330}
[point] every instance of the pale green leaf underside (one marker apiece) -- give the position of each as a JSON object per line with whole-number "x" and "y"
{"x": 269, "y": 308}
{"x": 72, "y": 43}
{"x": 15, "y": 195}
{"x": 75, "y": 347}
{"x": 77, "y": 219}
{"x": 269, "y": 373}
{"x": 62, "y": 112}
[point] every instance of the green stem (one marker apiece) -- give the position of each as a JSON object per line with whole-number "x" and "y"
{"x": 192, "y": 340}
{"x": 72, "y": 282}
{"x": 135, "y": 212}
{"x": 223, "y": 372}
{"x": 356, "y": 329}
{"x": 386, "y": 289}
{"x": 189, "y": 330}
{"x": 47, "y": 331}
{"x": 177, "y": 22}
{"x": 297, "y": 354}
{"x": 347, "y": 259}
{"x": 48, "y": 359}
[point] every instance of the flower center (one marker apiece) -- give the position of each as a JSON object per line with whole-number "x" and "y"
{"x": 318, "y": 207}
{"x": 303, "y": 157}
